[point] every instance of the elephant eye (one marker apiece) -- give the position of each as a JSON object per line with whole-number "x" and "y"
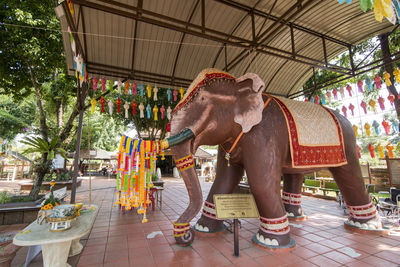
{"x": 202, "y": 98}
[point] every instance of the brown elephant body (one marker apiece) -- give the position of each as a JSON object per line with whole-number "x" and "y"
{"x": 216, "y": 114}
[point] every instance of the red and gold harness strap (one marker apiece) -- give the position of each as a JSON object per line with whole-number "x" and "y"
{"x": 291, "y": 198}
{"x": 180, "y": 229}
{"x": 185, "y": 163}
{"x": 209, "y": 210}
{"x": 362, "y": 212}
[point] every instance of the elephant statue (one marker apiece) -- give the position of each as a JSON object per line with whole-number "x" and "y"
{"x": 252, "y": 132}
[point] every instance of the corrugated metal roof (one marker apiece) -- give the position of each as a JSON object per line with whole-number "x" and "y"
{"x": 163, "y": 41}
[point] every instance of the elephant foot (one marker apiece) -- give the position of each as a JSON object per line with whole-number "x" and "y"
{"x": 292, "y": 203}
{"x": 274, "y": 234}
{"x": 365, "y": 219}
{"x": 184, "y": 236}
{"x": 208, "y": 223}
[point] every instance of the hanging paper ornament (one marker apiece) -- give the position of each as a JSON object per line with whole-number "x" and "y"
{"x": 93, "y": 102}
{"x": 95, "y": 82}
{"x": 359, "y": 151}
{"x": 334, "y": 92}
{"x": 367, "y": 128}
{"x": 103, "y": 83}
{"x": 341, "y": 90}
{"x": 148, "y": 110}
{"x": 169, "y": 110}
{"x": 133, "y": 104}
{"x": 141, "y": 109}
{"x": 134, "y": 86}
{"x": 344, "y": 109}
{"x": 119, "y": 102}
{"x": 390, "y": 148}
{"x": 395, "y": 125}
{"x": 148, "y": 88}
{"x": 386, "y": 76}
{"x": 351, "y": 107}
{"x": 78, "y": 65}
{"x": 349, "y": 89}
{"x": 372, "y": 103}
{"x": 366, "y": 4}
{"x": 375, "y": 124}
{"x": 381, "y": 102}
{"x": 181, "y": 91}
{"x": 371, "y": 149}
{"x": 175, "y": 94}
{"x": 380, "y": 151}
{"x": 127, "y": 85}
{"x": 110, "y": 107}
{"x": 306, "y": 99}
{"x": 377, "y": 80}
{"x": 126, "y": 107}
{"x": 119, "y": 85}
{"x": 396, "y": 5}
{"x": 360, "y": 86}
{"x": 364, "y": 106}
{"x": 386, "y": 126}
{"x": 396, "y": 74}
{"x": 355, "y": 128}
{"x": 316, "y": 99}
{"x": 70, "y": 7}
{"x": 162, "y": 109}
{"x": 329, "y": 95}
{"x": 342, "y": 1}
{"x": 169, "y": 94}
{"x": 323, "y": 101}
{"x": 141, "y": 87}
{"x": 382, "y": 8}
{"x": 155, "y": 111}
{"x": 368, "y": 84}
{"x": 391, "y": 98}
{"x": 102, "y": 101}
{"x": 312, "y": 100}
{"x": 155, "y": 91}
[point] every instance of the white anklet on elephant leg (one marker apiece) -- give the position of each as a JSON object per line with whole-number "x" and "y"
{"x": 291, "y": 198}
{"x": 209, "y": 211}
{"x": 367, "y": 211}
{"x": 275, "y": 226}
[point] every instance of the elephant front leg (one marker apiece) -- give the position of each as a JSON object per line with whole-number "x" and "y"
{"x": 227, "y": 178}
{"x": 291, "y": 196}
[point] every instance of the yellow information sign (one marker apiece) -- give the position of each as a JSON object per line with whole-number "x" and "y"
{"x": 234, "y": 206}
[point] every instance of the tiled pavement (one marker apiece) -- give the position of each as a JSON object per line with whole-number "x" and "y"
{"x": 121, "y": 240}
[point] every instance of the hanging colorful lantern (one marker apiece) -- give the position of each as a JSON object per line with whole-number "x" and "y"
{"x": 359, "y": 151}
{"x": 372, "y": 103}
{"x": 395, "y": 125}
{"x": 383, "y": 8}
{"x": 102, "y": 101}
{"x": 127, "y": 85}
{"x": 169, "y": 110}
{"x": 367, "y": 128}
{"x": 133, "y": 104}
{"x": 351, "y": 107}
{"x": 175, "y": 94}
{"x": 134, "y": 86}
{"x": 341, "y": 90}
{"x": 355, "y": 128}
{"x": 93, "y": 102}
{"x": 316, "y": 99}
{"x": 386, "y": 76}
{"x": 95, "y": 81}
{"x": 368, "y": 84}
{"x": 126, "y": 107}
{"x": 349, "y": 89}
{"x": 162, "y": 110}
{"x": 119, "y": 85}
{"x": 334, "y": 92}
{"x": 375, "y": 124}
{"x": 110, "y": 107}
{"x": 380, "y": 151}
{"x": 390, "y": 148}
{"x": 377, "y": 80}
{"x": 148, "y": 88}
{"x": 364, "y": 106}
{"x": 344, "y": 110}
{"x": 323, "y": 101}
{"x": 181, "y": 91}
{"x": 169, "y": 94}
{"x": 391, "y": 98}
{"x": 396, "y": 74}
{"x": 141, "y": 110}
{"x": 386, "y": 126}
{"x": 119, "y": 102}
{"x": 155, "y": 111}
{"x": 329, "y": 95}
{"x": 360, "y": 86}
{"x": 381, "y": 102}
{"x": 141, "y": 89}
{"x": 103, "y": 84}
{"x": 371, "y": 149}
{"x": 155, "y": 91}
{"x": 148, "y": 110}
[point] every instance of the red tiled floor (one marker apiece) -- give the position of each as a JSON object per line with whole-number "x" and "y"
{"x": 121, "y": 240}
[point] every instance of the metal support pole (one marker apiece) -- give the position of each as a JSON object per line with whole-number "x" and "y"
{"x": 236, "y": 237}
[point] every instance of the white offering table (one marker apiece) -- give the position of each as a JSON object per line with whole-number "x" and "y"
{"x": 56, "y": 246}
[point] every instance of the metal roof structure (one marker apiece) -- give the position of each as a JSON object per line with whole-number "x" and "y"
{"x": 170, "y": 42}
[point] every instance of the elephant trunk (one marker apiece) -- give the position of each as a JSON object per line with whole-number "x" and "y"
{"x": 185, "y": 163}
{"x": 177, "y": 139}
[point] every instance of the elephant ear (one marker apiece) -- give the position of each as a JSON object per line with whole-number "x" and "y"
{"x": 249, "y": 107}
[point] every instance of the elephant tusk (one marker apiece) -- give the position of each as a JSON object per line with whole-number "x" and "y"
{"x": 181, "y": 137}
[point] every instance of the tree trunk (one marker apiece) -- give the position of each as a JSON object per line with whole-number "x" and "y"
{"x": 40, "y": 171}
{"x": 60, "y": 113}
{"x": 389, "y": 68}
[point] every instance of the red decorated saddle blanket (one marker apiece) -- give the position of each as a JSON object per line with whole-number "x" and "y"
{"x": 315, "y": 134}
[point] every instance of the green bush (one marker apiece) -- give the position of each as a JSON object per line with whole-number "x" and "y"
{"x": 4, "y": 197}
{"x": 154, "y": 177}
{"x": 63, "y": 176}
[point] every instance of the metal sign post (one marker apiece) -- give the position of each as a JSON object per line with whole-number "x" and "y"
{"x": 235, "y": 206}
